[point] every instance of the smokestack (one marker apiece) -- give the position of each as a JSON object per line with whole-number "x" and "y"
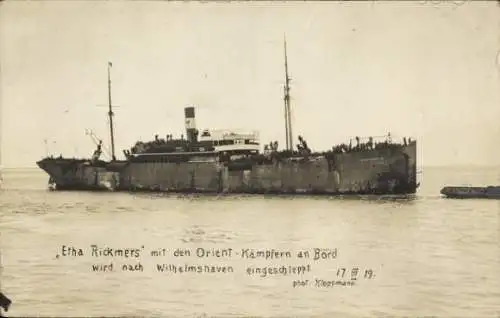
{"x": 190, "y": 124}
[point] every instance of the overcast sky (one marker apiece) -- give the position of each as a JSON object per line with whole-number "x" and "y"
{"x": 426, "y": 69}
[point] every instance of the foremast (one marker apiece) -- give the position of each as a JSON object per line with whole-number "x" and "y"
{"x": 288, "y": 117}
{"x": 111, "y": 114}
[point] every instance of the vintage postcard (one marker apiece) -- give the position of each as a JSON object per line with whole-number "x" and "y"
{"x": 249, "y": 158}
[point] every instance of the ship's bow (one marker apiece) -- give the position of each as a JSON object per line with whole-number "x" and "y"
{"x": 63, "y": 173}
{"x": 81, "y": 174}
{"x": 54, "y": 169}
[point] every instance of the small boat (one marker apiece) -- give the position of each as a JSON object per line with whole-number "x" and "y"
{"x": 457, "y": 192}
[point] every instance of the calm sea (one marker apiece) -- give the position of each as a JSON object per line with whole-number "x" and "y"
{"x": 420, "y": 256}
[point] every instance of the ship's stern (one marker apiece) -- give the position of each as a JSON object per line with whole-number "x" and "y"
{"x": 403, "y": 170}
{"x": 410, "y": 154}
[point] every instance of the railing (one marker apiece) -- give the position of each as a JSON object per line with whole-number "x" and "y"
{"x": 390, "y": 138}
{"x": 221, "y": 134}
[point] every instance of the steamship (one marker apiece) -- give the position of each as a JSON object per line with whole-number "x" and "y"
{"x": 230, "y": 161}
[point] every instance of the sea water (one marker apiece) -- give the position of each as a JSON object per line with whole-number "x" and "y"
{"x": 122, "y": 254}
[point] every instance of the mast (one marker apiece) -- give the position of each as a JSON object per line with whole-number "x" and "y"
{"x": 110, "y": 114}
{"x": 288, "y": 119}
{"x": 1, "y": 153}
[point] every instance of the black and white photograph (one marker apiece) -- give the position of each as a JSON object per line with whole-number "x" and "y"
{"x": 250, "y": 158}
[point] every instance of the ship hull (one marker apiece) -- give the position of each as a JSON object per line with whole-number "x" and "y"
{"x": 455, "y": 192}
{"x": 379, "y": 172}
{"x": 388, "y": 171}
{"x": 79, "y": 174}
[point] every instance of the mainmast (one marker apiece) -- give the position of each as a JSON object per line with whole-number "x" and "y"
{"x": 110, "y": 114}
{"x": 288, "y": 117}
